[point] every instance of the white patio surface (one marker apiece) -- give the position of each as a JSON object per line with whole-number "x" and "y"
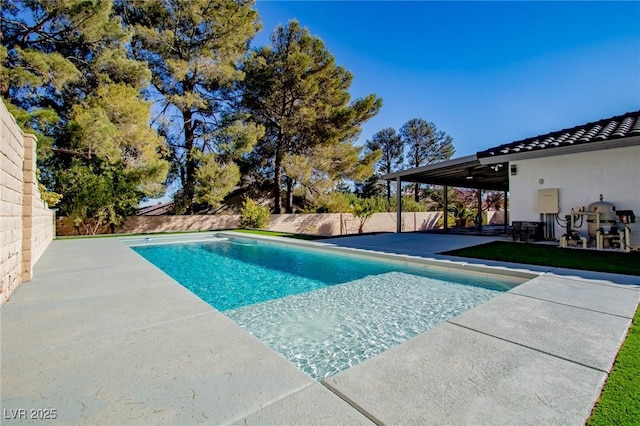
{"x": 101, "y": 336}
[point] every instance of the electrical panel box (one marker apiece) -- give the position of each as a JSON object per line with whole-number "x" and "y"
{"x": 548, "y": 201}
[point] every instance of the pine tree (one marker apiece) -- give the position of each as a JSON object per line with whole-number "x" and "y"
{"x": 388, "y": 142}
{"x": 66, "y": 75}
{"x": 426, "y": 145}
{"x": 192, "y": 48}
{"x": 297, "y": 92}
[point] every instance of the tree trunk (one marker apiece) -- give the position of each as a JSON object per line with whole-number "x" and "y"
{"x": 289, "y": 201}
{"x": 416, "y": 189}
{"x": 190, "y": 163}
{"x": 276, "y": 184}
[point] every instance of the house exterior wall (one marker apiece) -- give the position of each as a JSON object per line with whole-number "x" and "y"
{"x": 26, "y": 223}
{"x": 580, "y": 178}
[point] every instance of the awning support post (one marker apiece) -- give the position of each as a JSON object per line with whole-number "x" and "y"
{"x": 506, "y": 210}
{"x": 479, "y": 215}
{"x": 446, "y": 207}
{"x": 398, "y": 206}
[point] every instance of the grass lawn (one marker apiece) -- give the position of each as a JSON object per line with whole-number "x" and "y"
{"x": 546, "y": 255}
{"x": 118, "y": 235}
{"x": 279, "y": 234}
{"x": 247, "y": 231}
{"x": 619, "y": 402}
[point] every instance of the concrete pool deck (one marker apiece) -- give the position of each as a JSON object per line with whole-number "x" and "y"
{"x": 103, "y": 337}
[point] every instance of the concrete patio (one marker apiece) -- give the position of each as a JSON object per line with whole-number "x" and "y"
{"x": 101, "y": 336}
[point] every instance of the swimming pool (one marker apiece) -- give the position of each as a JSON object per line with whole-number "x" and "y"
{"x": 323, "y": 311}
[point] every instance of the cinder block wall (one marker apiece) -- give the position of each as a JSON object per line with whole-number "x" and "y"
{"x": 26, "y": 223}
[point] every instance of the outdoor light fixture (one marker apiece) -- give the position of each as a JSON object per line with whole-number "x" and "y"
{"x": 514, "y": 170}
{"x": 496, "y": 167}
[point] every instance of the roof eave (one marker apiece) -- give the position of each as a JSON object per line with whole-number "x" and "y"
{"x": 573, "y": 149}
{"x": 470, "y": 159}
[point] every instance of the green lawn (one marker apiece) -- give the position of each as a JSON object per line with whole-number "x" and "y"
{"x": 117, "y": 235}
{"x": 246, "y": 231}
{"x": 546, "y": 255}
{"x": 619, "y": 403}
{"x": 279, "y": 234}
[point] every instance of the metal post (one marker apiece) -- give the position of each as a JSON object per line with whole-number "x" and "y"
{"x": 506, "y": 210}
{"x": 446, "y": 207}
{"x": 398, "y": 205}
{"x": 479, "y": 215}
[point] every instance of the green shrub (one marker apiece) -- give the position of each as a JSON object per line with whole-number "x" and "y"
{"x": 253, "y": 215}
{"x": 409, "y": 204}
{"x": 451, "y": 221}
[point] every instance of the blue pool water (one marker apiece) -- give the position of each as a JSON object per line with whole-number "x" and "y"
{"x": 322, "y": 311}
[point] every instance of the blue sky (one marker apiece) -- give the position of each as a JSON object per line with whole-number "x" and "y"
{"x": 486, "y": 73}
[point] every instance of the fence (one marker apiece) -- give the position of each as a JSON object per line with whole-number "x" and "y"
{"x": 327, "y": 224}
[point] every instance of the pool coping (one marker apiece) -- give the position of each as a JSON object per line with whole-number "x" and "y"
{"x": 99, "y": 332}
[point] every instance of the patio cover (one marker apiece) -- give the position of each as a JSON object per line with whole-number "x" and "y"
{"x": 463, "y": 172}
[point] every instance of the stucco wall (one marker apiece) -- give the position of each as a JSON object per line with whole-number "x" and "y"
{"x": 319, "y": 224}
{"x": 326, "y": 224}
{"x": 345, "y": 223}
{"x": 580, "y": 178}
{"x": 26, "y": 224}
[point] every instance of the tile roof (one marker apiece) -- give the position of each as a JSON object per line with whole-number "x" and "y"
{"x": 156, "y": 209}
{"x": 621, "y": 126}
